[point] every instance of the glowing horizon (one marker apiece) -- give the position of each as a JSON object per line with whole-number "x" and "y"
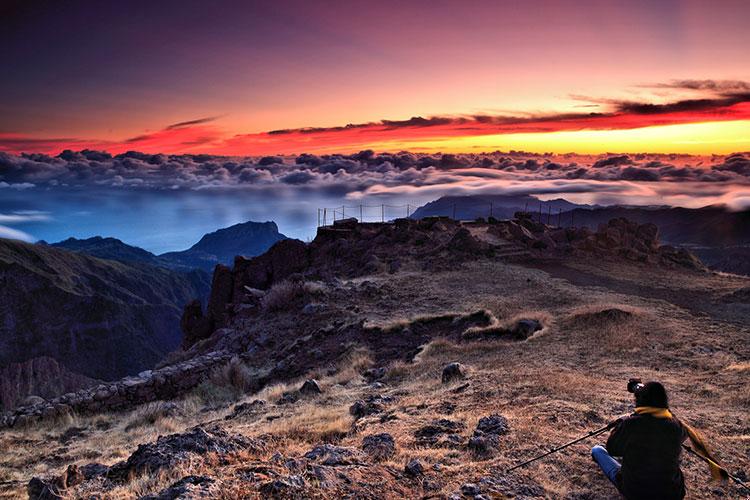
{"x": 253, "y": 79}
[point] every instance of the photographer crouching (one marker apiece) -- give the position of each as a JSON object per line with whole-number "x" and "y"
{"x": 650, "y": 443}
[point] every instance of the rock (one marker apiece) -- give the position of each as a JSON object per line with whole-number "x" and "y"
{"x": 38, "y": 489}
{"x": 440, "y": 433}
{"x": 283, "y": 486}
{"x": 331, "y": 455}
{"x": 453, "y": 371}
{"x": 525, "y": 328}
{"x": 470, "y": 489}
{"x": 288, "y": 398}
{"x": 222, "y": 289}
{"x": 32, "y": 401}
{"x": 484, "y": 446}
{"x": 170, "y": 450}
{"x": 310, "y": 309}
{"x": 185, "y": 487}
{"x": 310, "y": 388}
{"x": 486, "y": 438}
{"x": 247, "y": 409}
{"x": 349, "y": 223}
{"x": 371, "y": 405}
{"x": 373, "y": 374}
{"x": 492, "y": 424}
{"x": 379, "y": 446}
{"x": 194, "y": 325}
{"x": 414, "y": 468}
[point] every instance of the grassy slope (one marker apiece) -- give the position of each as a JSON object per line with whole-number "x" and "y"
{"x": 567, "y": 379}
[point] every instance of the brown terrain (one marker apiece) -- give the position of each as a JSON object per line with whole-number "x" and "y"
{"x": 419, "y": 359}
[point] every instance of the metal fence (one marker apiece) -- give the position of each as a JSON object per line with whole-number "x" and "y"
{"x": 385, "y": 213}
{"x": 364, "y": 213}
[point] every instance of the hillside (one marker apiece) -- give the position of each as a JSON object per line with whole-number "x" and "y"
{"x": 376, "y": 314}
{"x": 220, "y": 247}
{"x": 99, "y": 318}
{"x": 110, "y": 248}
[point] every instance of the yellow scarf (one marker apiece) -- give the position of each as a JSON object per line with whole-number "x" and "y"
{"x": 699, "y": 446}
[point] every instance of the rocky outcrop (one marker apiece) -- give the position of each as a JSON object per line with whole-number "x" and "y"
{"x": 42, "y": 377}
{"x": 150, "y": 385}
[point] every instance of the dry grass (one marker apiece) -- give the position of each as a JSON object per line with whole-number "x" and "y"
{"x": 315, "y": 424}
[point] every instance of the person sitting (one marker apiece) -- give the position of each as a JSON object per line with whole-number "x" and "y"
{"x": 650, "y": 443}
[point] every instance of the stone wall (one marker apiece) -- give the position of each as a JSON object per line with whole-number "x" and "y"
{"x": 151, "y": 385}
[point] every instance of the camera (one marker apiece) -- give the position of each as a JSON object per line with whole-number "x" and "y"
{"x": 635, "y": 385}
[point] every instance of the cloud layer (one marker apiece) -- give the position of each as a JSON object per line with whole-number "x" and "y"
{"x": 365, "y": 174}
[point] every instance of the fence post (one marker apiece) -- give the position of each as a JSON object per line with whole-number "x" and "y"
{"x": 490, "y": 209}
{"x": 318, "y": 217}
{"x": 343, "y": 212}
{"x": 407, "y": 210}
{"x": 382, "y": 213}
{"x": 361, "y": 220}
{"x": 325, "y": 216}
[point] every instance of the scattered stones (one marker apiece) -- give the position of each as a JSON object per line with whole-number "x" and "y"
{"x": 414, "y": 468}
{"x": 453, "y": 371}
{"x": 379, "y": 446}
{"x": 310, "y": 388}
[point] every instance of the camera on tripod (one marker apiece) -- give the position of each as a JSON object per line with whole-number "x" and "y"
{"x": 635, "y": 385}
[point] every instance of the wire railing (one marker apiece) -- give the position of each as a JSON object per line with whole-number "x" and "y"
{"x": 542, "y": 213}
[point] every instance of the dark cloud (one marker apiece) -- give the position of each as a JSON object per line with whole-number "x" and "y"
{"x": 613, "y": 161}
{"x": 190, "y": 123}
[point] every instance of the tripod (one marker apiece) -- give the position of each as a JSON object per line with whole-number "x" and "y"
{"x": 555, "y": 450}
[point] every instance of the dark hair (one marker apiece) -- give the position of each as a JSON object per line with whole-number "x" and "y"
{"x": 652, "y": 394}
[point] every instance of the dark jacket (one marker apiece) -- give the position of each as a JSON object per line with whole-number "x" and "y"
{"x": 650, "y": 449}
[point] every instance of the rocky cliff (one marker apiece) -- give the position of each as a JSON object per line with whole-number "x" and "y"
{"x": 98, "y": 318}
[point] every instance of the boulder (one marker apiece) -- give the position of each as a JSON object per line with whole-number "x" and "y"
{"x": 453, "y": 371}
{"x": 310, "y": 388}
{"x": 379, "y": 446}
{"x": 414, "y": 468}
{"x": 39, "y": 489}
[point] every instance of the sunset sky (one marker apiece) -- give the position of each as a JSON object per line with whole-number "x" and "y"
{"x": 258, "y": 78}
